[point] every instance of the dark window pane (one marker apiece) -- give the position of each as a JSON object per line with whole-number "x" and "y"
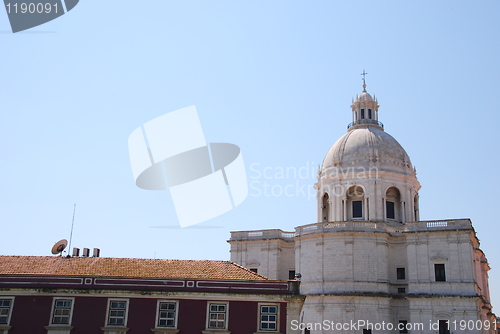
{"x": 443, "y": 327}
{"x": 357, "y": 209}
{"x": 401, "y": 274}
{"x": 390, "y": 210}
{"x": 402, "y": 326}
{"x": 369, "y": 113}
{"x": 254, "y": 270}
{"x": 362, "y": 113}
{"x": 367, "y": 331}
{"x": 291, "y": 274}
{"x": 401, "y": 290}
{"x": 440, "y": 273}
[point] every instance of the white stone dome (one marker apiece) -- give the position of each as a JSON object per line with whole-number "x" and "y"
{"x": 364, "y": 96}
{"x": 368, "y": 146}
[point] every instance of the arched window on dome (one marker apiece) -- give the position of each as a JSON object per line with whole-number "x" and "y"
{"x": 325, "y": 208}
{"x": 369, "y": 114}
{"x": 355, "y": 203}
{"x": 362, "y": 113}
{"x": 393, "y": 204}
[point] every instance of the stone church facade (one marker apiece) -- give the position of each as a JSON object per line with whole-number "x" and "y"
{"x": 369, "y": 259}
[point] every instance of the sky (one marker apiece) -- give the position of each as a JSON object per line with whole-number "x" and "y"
{"x": 275, "y": 78}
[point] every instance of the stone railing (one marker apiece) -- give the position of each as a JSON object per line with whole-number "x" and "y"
{"x": 361, "y": 226}
{"x": 365, "y": 121}
{"x": 455, "y": 224}
{"x": 262, "y": 234}
{"x": 431, "y": 225}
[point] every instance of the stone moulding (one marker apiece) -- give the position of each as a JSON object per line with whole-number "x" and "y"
{"x": 114, "y": 330}
{"x": 165, "y": 330}
{"x": 58, "y": 329}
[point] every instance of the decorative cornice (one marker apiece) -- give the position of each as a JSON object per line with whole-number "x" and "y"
{"x": 158, "y": 285}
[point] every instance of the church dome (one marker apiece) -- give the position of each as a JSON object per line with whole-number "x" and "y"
{"x": 368, "y": 146}
{"x": 364, "y": 97}
{"x": 367, "y": 175}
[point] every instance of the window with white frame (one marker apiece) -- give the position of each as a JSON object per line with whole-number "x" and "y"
{"x": 217, "y": 315}
{"x": 117, "y": 312}
{"x": 61, "y": 312}
{"x": 268, "y": 320}
{"x": 167, "y": 314}
{"x": 5, "y": 309}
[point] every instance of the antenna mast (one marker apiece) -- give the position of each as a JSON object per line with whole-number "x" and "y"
{"x": 72, "y": 224}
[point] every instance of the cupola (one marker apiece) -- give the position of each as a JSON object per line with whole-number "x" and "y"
{"x": 365, "y": 110}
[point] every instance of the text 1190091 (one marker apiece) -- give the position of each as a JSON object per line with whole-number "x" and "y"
{"x": 31, "y": 8}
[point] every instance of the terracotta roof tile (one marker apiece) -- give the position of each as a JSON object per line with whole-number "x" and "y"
{"x": 124, "y": 267}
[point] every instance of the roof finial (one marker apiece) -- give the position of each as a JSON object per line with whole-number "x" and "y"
{"x": 364, "y": 82}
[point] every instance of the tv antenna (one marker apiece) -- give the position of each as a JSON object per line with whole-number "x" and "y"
{"x": 59, "y": 247}
{"x": 72, "y": 223}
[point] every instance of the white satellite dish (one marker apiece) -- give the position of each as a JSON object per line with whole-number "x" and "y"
{"x": 59, "y": 246}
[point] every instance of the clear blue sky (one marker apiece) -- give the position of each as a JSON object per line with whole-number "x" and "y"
{"x": 274, "y": 77}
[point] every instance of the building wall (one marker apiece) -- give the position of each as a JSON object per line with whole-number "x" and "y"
{"x": 270, "y": 252}
{"x": 32, "y": 311}
{"x": 341, "y": 262}
{"x": 349, "y": 272}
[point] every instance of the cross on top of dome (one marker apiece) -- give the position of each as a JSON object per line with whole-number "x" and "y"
{"x": 364, "y": 81}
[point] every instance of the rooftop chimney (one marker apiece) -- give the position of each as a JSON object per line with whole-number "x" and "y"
{"x": 86, "y": 252}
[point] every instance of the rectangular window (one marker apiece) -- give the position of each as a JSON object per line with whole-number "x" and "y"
{"x": 217, "y": 315}
{"x": 367, "y": 331}
{"x": 5, "y": 307}
{"x": 117, "y": 312}
{"x": 268, "y": 318}
{"x": 389, "y": 208}
{"x": 443, "y": 327}
{"x": 400, "y": 273}
{"x": 440, "y": 272}
{"x": 291, "y": 274}
{"x": 167, "y": 314}
{"x": 401, "y": 290}
{"x": 254, "y": 270}
{"x": 357, "y": 209}
{"x": 402, "y": 326}
{"x": 61, "y": 314}
{"x": 369, "y": 113}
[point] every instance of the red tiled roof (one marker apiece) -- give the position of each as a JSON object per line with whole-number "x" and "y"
{"x": 123, "y": 267}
